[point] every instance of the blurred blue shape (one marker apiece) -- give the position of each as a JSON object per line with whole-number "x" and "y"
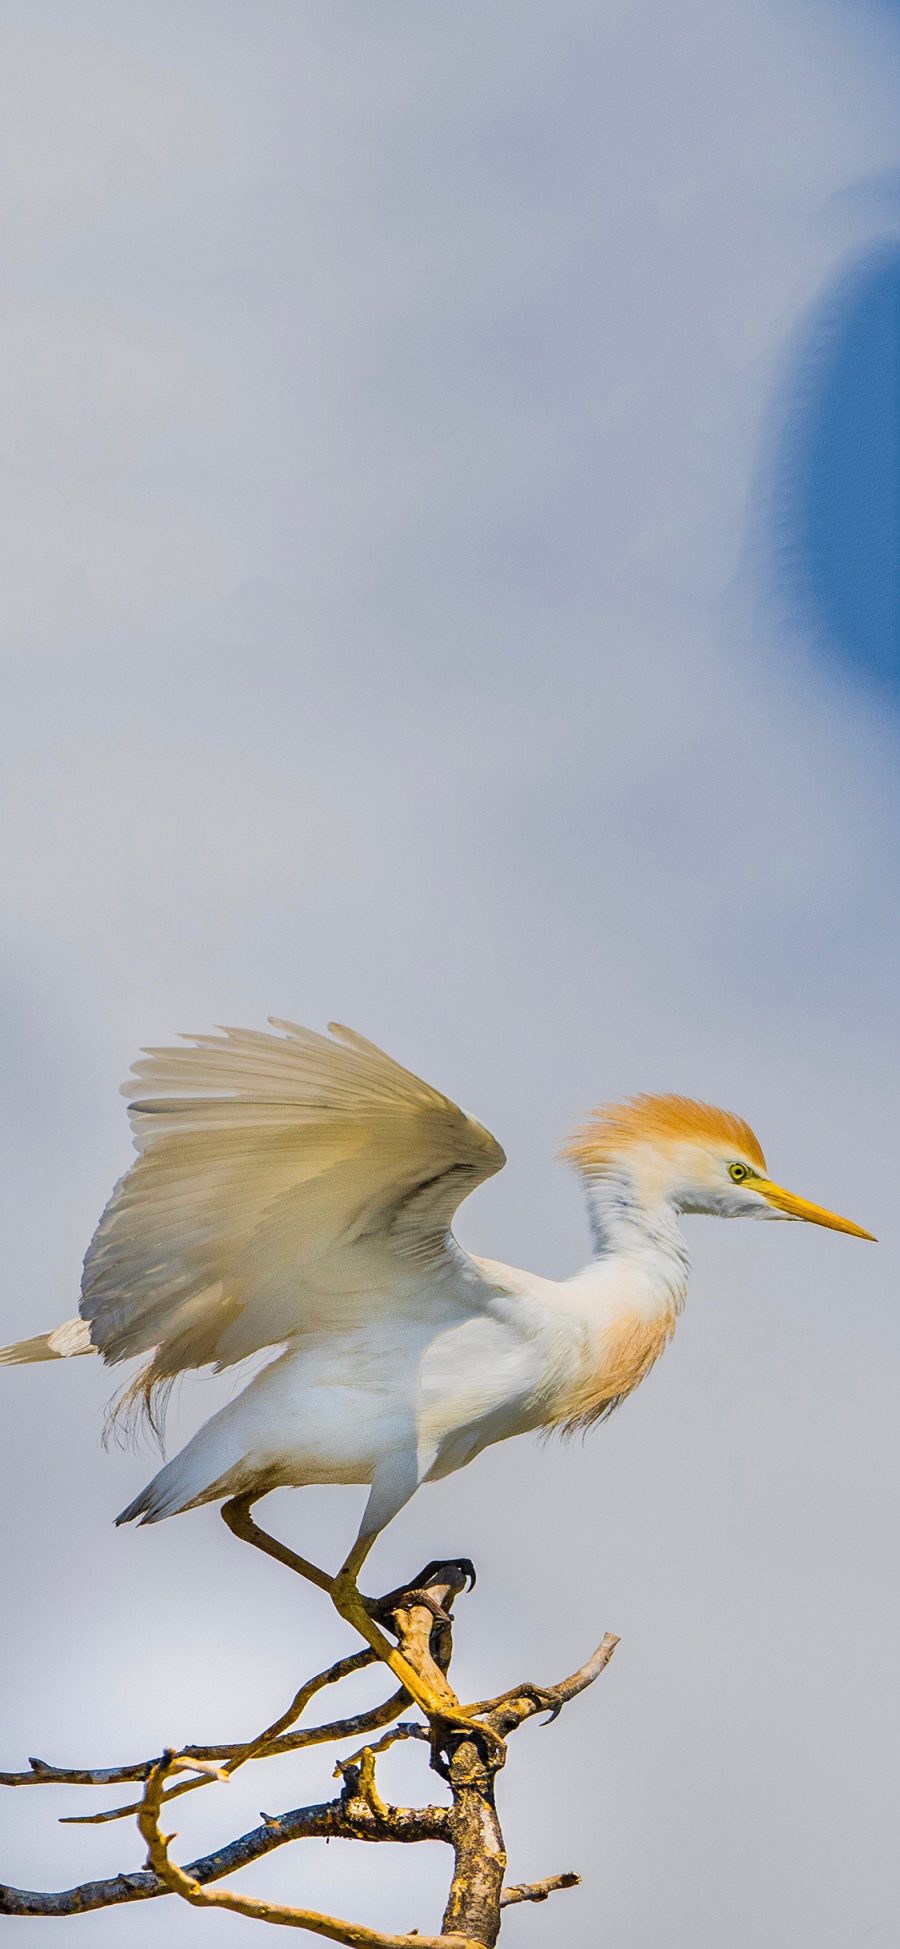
{"x": 837, "y": 497}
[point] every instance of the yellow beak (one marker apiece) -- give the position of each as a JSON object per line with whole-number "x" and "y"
{"x": 801, "y": 1208}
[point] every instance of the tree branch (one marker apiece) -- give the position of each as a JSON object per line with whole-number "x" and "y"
{"x": 345, "y": 1819}
{"x": 467, "y": 1749}
{"x": 355, "y": 1935}
{"x": 263, "y": 1746}
{"x": 537, "y": 1891}
{"x": 476, "y": 1891}
{"x": 514, "y": 1707}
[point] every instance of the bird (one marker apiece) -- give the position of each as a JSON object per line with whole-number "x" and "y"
{"x": 293, "y": 1195}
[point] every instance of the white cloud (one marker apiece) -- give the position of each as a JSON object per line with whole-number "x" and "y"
{"x": 83, "y": 125}
{"x": 147, "y": 857}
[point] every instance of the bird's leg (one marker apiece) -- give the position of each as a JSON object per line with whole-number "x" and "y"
{"x": 430, "y": 1691}
{"x": 352, "y": 1605}
{"x": 436, "y": 1700}
{"x": 236, "y": 1513}
{"x": 342, "y": 1590}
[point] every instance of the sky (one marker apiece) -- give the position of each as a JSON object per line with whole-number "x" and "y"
{"x": 838, "y": 482}
{"x": 448, "y": 582}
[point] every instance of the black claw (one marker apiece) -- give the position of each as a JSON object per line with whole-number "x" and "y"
{"x": 418, "y": 1593}
{"x": 547, "y": 1701}
{"x": 431, "y": 1569}
{"x": 443, "y": 1563}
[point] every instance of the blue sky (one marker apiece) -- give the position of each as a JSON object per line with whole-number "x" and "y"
{"x": 838, "y": 532}
{"x": 444, "y": 452}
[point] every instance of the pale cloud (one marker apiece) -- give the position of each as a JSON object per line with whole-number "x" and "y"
{"x": 82, "y": 389}
{"x": 145, "y": 856}
{"x": 74, "y": 559}
{"x": 82, "y": 125}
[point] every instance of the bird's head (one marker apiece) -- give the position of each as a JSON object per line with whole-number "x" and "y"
{"x": 663, "y": 1151}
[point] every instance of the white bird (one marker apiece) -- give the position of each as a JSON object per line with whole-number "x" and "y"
{"x": 295, "y": 1192}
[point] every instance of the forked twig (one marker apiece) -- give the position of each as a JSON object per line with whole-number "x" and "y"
{"x": 355, "y": 1934}
{"x": 270, "y": 1741}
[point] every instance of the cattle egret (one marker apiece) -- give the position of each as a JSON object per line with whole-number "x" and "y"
{"x": 295, "y": 1192}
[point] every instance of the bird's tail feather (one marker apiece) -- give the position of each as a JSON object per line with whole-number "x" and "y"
{"x": 63, "y": 1343}
{"x": 207, "y": 1468}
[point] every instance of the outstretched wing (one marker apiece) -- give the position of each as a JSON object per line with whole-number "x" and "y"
{"x": 285, "y": 1184}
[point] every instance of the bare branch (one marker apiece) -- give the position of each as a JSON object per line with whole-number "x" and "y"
{"x": 354, "y": 1934}
{"x": 537, "y": 1891}
{"x": 476, "y": 1892}
{"x": 264, "y": 1745}
{"x": 347, "y": 1819}
{"x": 513, "y": 1708}
{"x": 271, "y": 1741}
{"x": 358, "y": 1772}
{"x": 408, "y": 1729}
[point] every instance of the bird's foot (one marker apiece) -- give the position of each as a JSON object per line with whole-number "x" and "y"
{"x": 382, "y": 1609}
{"x": 433, "y": 1695}
{"x": 543, "y": 1696}
{"x": 463, "y": 1719}
{"x": 366, "y": 1613}
{"x": 440, "y": 1571}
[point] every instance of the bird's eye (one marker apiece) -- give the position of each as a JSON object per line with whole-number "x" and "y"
{"x": 738, "y": 1172}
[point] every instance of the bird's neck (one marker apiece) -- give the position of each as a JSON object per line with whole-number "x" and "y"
{"x": 625, "y": 1222}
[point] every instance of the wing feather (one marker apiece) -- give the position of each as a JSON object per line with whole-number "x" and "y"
{"x": 285, "y": 1183}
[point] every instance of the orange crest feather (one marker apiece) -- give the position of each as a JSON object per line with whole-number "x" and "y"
{"x": 616, "y": 1127}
